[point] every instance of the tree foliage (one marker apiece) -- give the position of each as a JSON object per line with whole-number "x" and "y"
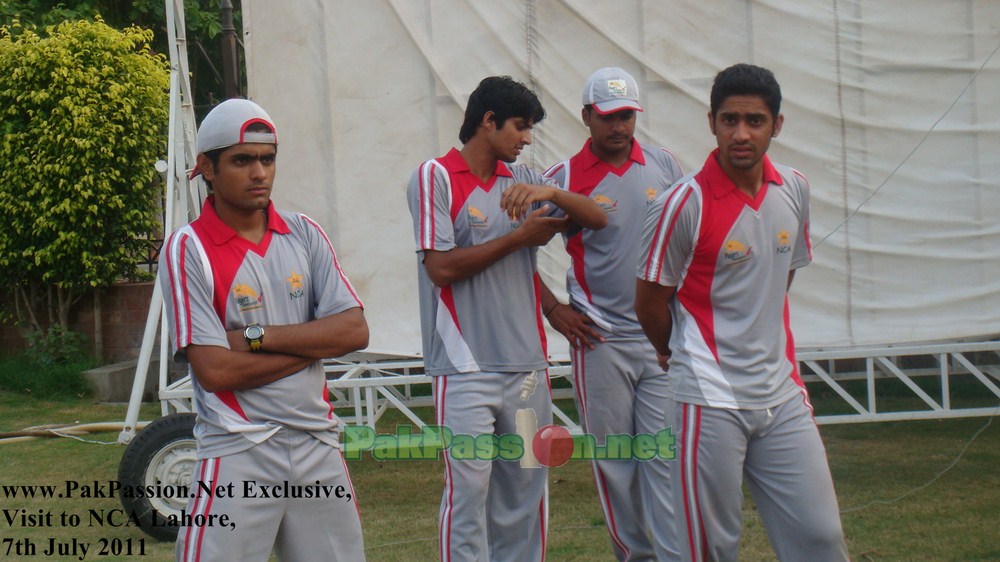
{"x": 201, "y": 22}
{"x": 83, "y": 116}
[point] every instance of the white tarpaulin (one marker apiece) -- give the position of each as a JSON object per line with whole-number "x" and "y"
{"x": 892, "y": 110}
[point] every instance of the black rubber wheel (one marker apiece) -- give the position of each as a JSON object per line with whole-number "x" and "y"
{"x": 160, "y": 459}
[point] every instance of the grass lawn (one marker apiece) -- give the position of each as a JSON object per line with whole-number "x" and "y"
{"x": 897, "y": 504}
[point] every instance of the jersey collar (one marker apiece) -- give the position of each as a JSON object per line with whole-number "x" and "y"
{"x": 720, "y": 184}
{"x": 589, "y": 160}
{"x": 456, "y": 164}
{"x": 222, "y": 232}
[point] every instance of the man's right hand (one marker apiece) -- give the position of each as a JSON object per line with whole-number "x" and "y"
{"x": 663, "y": 360}
{"x": 537, "y": 229}
{"x": 575, "y": 326}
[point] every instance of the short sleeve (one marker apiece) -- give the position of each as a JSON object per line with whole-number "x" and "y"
{"x": 559, "y": 174}
{"x": 802, "y": 255}
{"x": 429, "y": 197}
{"x": 331, "y": 290}
{"x": 187, "y": 284}
{"x": 669, "y": 235}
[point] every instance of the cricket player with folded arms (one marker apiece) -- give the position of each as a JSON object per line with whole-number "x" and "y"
{"x": 255, "y": 299}
{"x": 719, "y": 253}
{"x": 478, "y": 221}
{"x": 620, "y": 388}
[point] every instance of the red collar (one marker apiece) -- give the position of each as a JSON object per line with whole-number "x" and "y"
{"x": 588, "y": 159}
{"x": 713, "y": 177}
{"x": 222, "y": 233}
{"x": 456, "y": 164}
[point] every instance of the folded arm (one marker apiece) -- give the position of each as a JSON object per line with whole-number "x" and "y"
{"x": 286, "y": 350}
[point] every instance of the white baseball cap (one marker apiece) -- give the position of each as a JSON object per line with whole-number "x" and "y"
{"x": 227, "y": 125}
{"x": 611, "y": 89}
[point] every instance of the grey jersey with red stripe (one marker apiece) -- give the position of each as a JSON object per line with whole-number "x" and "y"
{"x": 214, "y": 280}
{"x": 729, "y": 257}
{"x": 600, "y": 280}
{"x": 492, "y": 320}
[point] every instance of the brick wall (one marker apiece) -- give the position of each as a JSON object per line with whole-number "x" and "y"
{"x": 124, "y": 308}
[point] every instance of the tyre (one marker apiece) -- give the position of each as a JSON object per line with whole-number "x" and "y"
{"x": 161, "y": 455}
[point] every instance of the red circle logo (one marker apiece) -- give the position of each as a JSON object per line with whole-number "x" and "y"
{"x": 552, "y": 445}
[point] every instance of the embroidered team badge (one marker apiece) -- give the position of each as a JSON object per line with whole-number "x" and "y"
{"x": 784, "y": 245}
{"x": 617, "y": 88}
{"x": 650, "y": 196}
{"x": 477, "y": 219}
{"x": 295, "y": 288}
{"x": 246, "y": 298}
{"x": 606, "y": 203}
{"x": 736, "y": 252}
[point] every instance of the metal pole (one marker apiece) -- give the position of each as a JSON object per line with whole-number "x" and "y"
{"x": 231, "y": 81}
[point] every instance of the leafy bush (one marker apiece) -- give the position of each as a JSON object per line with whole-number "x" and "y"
{"x": 52, "y": 367}
{"x": 54, "y": 381}
{"x": 83, "y": 115}
{"x": 56, "y": 346}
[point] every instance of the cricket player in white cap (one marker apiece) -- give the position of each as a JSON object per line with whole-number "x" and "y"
{"x": 255, "y": 299}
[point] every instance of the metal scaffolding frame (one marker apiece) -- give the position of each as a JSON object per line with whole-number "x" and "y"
{"x": 363, "y": 388}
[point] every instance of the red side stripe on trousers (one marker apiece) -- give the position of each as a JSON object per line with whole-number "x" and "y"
{"x": 580, "y": 386}
{"x": 444, "y": 537}
{"x": 697, "y": 540}
{"x": 207, "y": 465}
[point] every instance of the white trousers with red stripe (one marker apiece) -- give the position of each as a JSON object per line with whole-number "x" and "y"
{"x": 780, "y": 453}
{"x": 297, "y": 529}
{"x": 492, "y": 510}
{"x": 621, "y": 390}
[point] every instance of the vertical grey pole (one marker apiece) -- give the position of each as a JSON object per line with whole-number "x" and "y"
{"x": 229, "y": 62}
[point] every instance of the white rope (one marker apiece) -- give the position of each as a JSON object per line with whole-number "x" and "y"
{"x": 915, "y": 148}
{"x": 929, "y": 482}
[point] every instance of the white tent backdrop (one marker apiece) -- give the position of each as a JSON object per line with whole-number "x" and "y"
{"x": 892, "y": 110}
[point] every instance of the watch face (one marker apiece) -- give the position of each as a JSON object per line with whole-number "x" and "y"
{"x": 253, "y": 332}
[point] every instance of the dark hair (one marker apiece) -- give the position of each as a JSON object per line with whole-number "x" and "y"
{"x": 746, "y": 80}
{"x": 506, "y": 98}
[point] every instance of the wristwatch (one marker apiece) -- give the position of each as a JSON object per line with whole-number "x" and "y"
{"x": 254, "y": 334}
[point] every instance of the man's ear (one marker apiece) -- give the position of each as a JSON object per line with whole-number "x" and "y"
{"x": 777, "y": 126}
{"x": 205, "y": 166}
{"x": 711, "y": 123}
{"x": 489, "y": 121}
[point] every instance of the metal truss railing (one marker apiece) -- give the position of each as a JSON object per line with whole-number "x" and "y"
{"x": 364, "y": 388}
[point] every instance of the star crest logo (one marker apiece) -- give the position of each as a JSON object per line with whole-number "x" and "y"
{"x": 295, "y": 288}
{"x": 784, "y": 242}
{"x": 650, "y": 196}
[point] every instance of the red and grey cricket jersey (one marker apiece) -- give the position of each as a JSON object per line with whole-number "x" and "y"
{"x": 600, "y": 280}
{"x": 491, "y": 321}
{"x": 729, "y": 257}
{"x": 214, "y": 280}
